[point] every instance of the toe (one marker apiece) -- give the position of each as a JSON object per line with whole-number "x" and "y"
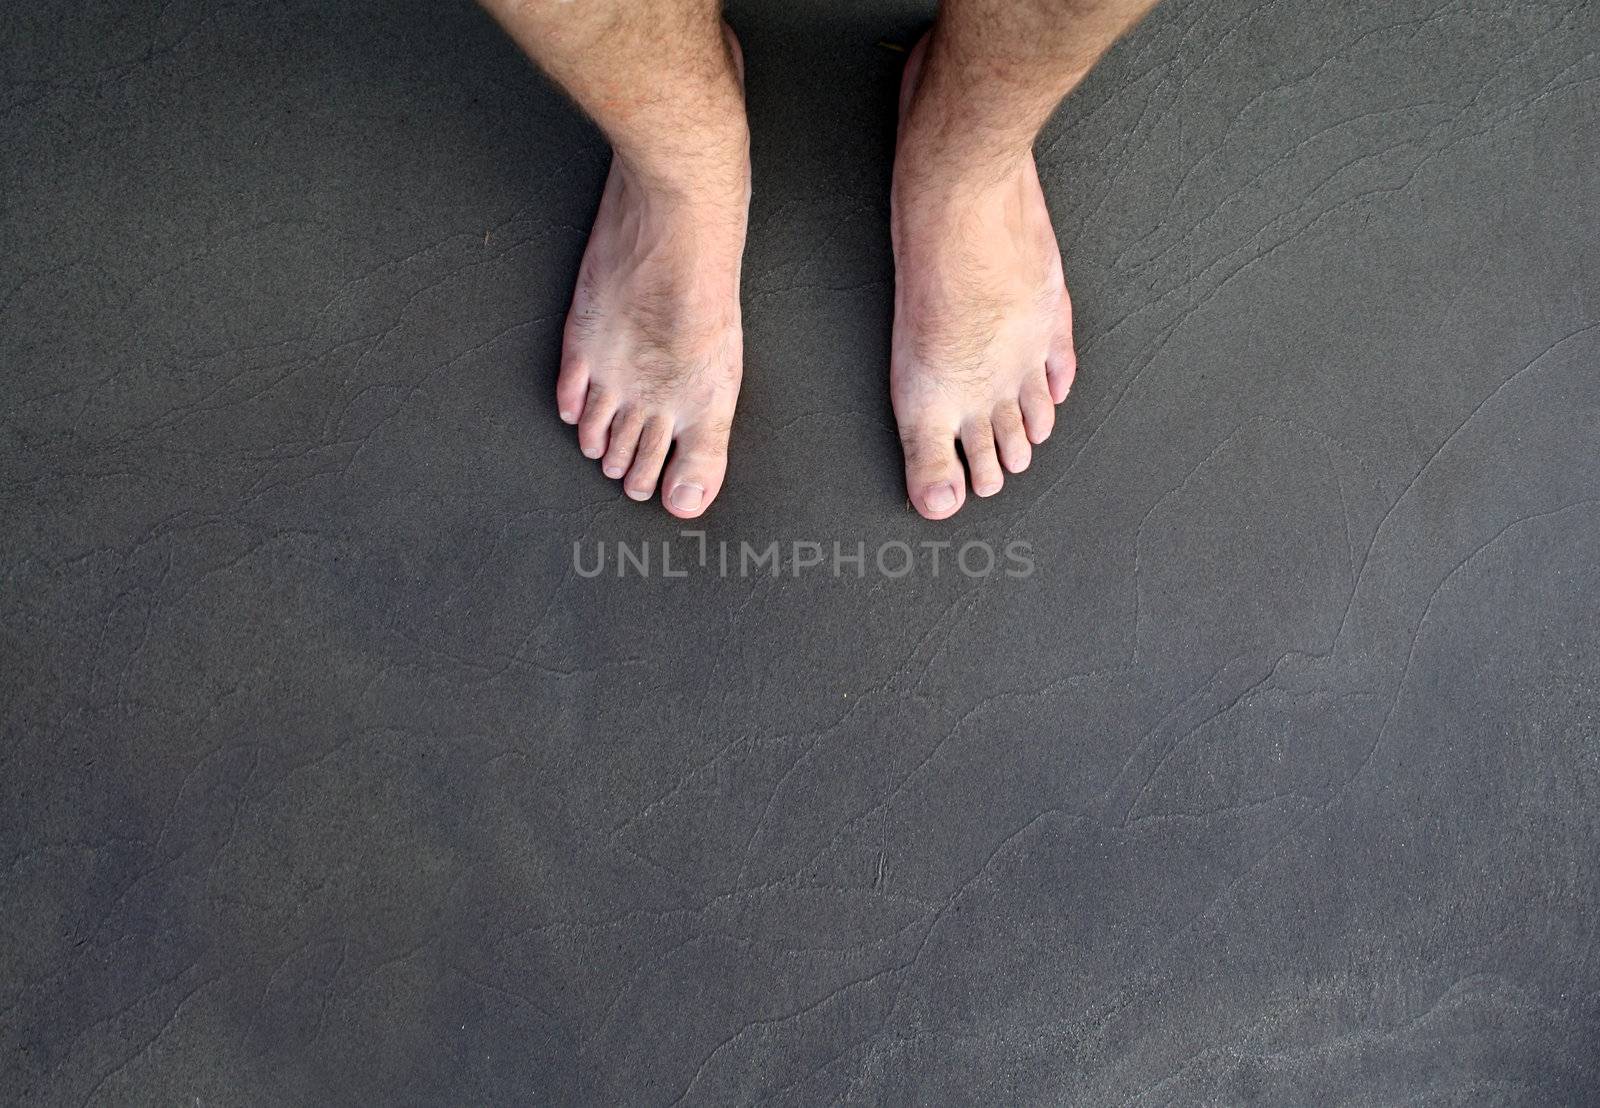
{"x": 977, "y": 443}
{"x": 598, "y": 408}
{"x": 571, "y": 384}
{"x": 654, "y": 439}
{"x": 1062, "y": 365}
{"x": 1061, "y": 373}
{"x": 622, "y": 442}
{"x": 1011, "y": 439}
{"x": 934, "y": 480}
{"x": 1038, "y": 408}
{"x": 699, "y": 462}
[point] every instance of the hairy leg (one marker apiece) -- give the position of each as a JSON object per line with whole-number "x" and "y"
{"x": 653, "y": 350}
{"x": 983, "y": 324}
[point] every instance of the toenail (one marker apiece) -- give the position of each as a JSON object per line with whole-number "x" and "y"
{"x": 687, "y": 498}
{"x": 986, "y": 490}
{"x": 645, "y": 495}
{"x": 613, "y": 471}
{"x": 566, "y": 417}
{"x": 940, "y": 497}
{"x": 592, "y": 452}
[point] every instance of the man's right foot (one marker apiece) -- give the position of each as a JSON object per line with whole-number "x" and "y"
{"x": 653, "y": 349}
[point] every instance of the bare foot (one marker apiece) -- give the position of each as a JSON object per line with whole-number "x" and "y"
{"x": 653, "y": 349}
{"x": 982, "y": 347}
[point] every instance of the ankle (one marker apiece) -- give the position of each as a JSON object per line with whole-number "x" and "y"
{"x": 707, "y": 211}
{"x": 944, "y": 179}
{"x": 708, "y": 158}
{"x": 965, "y": 129}
{"x": 703, "y": 203}
{"x": 714, "y": 179}
{"x": 952, "y": 147}
{"x": 952, "y": 173}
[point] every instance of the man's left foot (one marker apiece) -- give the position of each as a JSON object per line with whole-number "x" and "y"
{"x": 982, "y": 347}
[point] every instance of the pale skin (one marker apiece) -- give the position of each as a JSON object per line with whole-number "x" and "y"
{"x": 982, "y": 349}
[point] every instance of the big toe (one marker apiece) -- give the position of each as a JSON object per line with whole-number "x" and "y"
{"x": 571, "y": 385}
{"x": 935, "y": 481}
{"x": 699, "y": 462}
